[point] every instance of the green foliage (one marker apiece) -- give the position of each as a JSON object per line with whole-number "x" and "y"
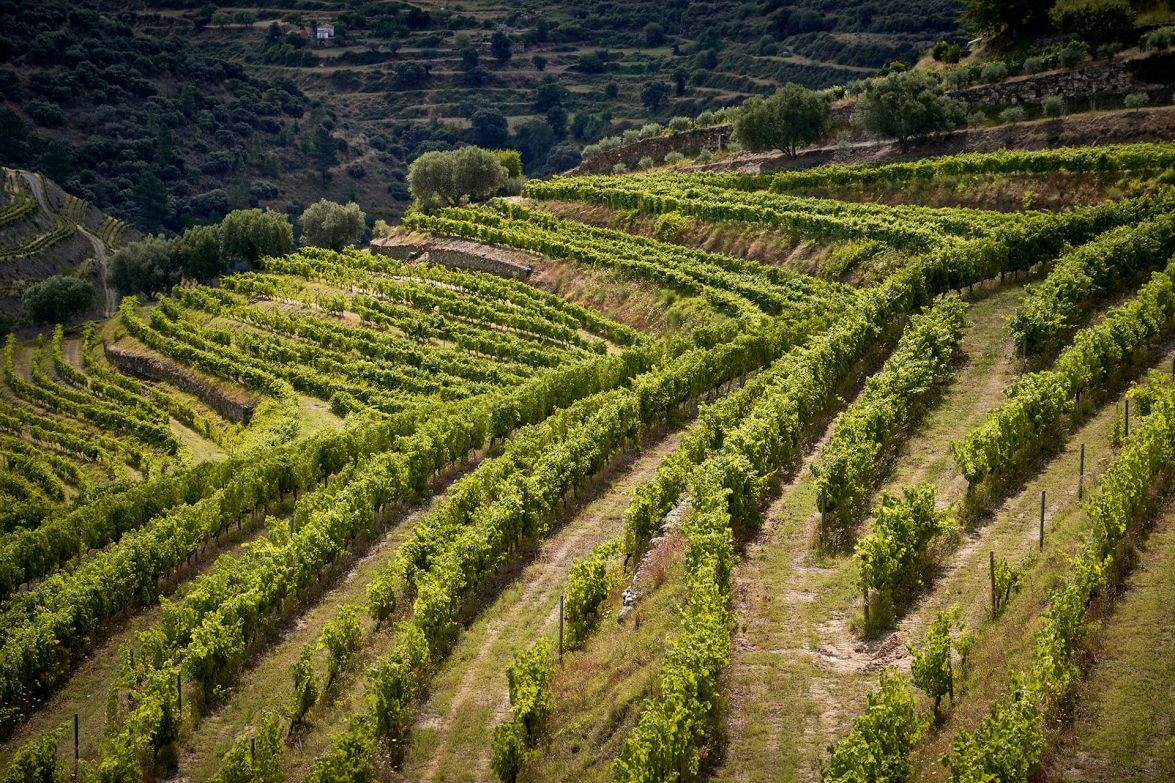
{"x": 877, "y": 747}
{"x": 328, "y": 224}
{"x": 511, "y": 160}
{"x": 341, "y": 637}
{"x": 1092, "y": 20}
{"x": 1011, "y": 17}
{"x": 932, "y": 668}
{"x": 529, "y": 679}
{"x": 198, "y": 252}
{"x": 508, "y": 753}
{"x": 437, "y": 178}
{"x": 906, "y": 105}
{"x": 147, "y": 266}
{"x": 791, "y": 117}
{"x": 36, "y": 760}
{"x": 1007, "y": 582}
{"x": 587, "y": 587}
{"x": 57, "y": 298}
{"x": 250, "y": 234}
{"x": 258, "y": 761}
{"x": 305, "y": 682}
{"x": 945, "y": 52}
{"x": 1136, "y": 100}
{"x": 1053, "y": 106}
{"x": 894, "y": 552}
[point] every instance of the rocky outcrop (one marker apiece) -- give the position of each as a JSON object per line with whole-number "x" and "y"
{"x": 402, "y": 246}
{"x": 156, "y": 368}
{"x": 714, "y": 137}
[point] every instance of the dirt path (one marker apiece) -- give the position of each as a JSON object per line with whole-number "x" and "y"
{"x": 108, "y": 293}
{"x": 798, "y": 669}
{"x": 452, "y": 737}
{"x": 1125, "y": 714}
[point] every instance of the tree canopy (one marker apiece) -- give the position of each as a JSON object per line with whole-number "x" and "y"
{"x": 447, "y": 177}
{"x": 249, "y": 234}
{"x": 794, "y": 115}
{"x": 328, "y": 224}
{"x": 57, "y": 298}
{"x": 905, "y": 105}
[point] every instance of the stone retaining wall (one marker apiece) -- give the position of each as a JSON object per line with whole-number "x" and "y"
{"x": 466, "y": 254}
{"x": 157, "y": 369}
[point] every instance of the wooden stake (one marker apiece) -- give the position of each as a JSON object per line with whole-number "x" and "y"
{"x": 1127, "y": 427}
{"x": 76, "y": 735}
{"x": 560, "y": 628}
{"x": 179, "y": 691}
{"x": 991, "y": 562}
{"x": 1042, "y": 519}
{"x": 1081, "y": 474}
{"x": 253, "y": 751}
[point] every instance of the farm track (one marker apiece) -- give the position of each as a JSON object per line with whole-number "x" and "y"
{"x": 793, "y": 652}
{"x": 85, "y": 691}
{"x": 452, "y": 736}
{"x": 1122, "y": 722}
{"x": 266, "y": 682}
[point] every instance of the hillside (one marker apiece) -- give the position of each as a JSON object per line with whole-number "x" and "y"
{"x": 45, "y": 231}
{"x": 711, "y": 458}
{"x": 224, "y": 108}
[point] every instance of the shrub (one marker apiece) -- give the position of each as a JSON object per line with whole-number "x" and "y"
{"x": 508, "y": 752}
{"x": 1157, "y": 39}
{"x": 706, "y": 119}
{"x": 671, "y": 225}
{"x": 1053, "y": 106}
{"x": 1012, "y": 114}
{"x": 678, "y": 124}
{"x": 331, "y": 225}
{"x": 1108, "y": 50}
{"x": 1136, "y": 100}
{"x": 646, "y": 162}
{"x": 959, "y": 78}
{"x": 57, "y": 298}
{"x": 619, "y": 168}
{"x": 994, "y": 72}
{"x": 673, "y": 158}
{"x": 1072, "y": 55}
{"x": 705, "y": 155}
{"x": 1035, "y": 64}
{"x": 946, "y": 52}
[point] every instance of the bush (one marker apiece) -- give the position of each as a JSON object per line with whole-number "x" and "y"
{"x": 508, "y": 752}
{"x": 646, "y": 162}
{"x": 671, "y": 225}
{"x": 706, "y": 119}
{"x": 673, "y": 158}
{"x": 57, "y": 298}
{"x": 1157, "y": 39}
{"x": 331, "y": 225}
{"x": 946, "y": 52}
{"x": 1012, "y": 114}
{"x": 1053, "y": 106}
{"x": 993, "y": 72}
{"x": 959, "y": 78}
{"x": 1072, "y": 56}
{"x": 1136, "y": 100}
{"x": 705, "y": 155}
{"x": 1108, "y": 50}
{"x": 1035, "y": 64}
{"x": 619, "y": 168}
{"x": 36, "y": 761}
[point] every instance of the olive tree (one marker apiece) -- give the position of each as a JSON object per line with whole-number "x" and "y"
{"x": 437, "y": 178}
{"x": 905, "y": 105}
{"x": 249, "y": 234}
{"x": 327, "y": 224}
{"x": 57, "y": 298}
{"x": 794, "y": 115}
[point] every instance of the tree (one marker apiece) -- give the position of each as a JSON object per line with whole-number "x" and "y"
{"x": 324, "y": 148}
{"x": 1092, "y": 21}
{"x": 469, "y": 58}
{"x": 1013, "y": 17}
{"x": 549, "y": 93}
{"x": 152, "y": 204}
{"x": 409, "y": 75}
{"x": 654, "y": 35}
{"x": 57, "y": 298}
{"x": 539, "y": 62}
{"x": 249, "y": 234}
{"x": 327, "y": 224}
{"x": 490, "y": 128}
{"x": 563, "y": 157}
{"x": 680, "y": 77}
{"x": 557, "y": 119}
{"x": 654, "y": 95}
{"x": 905, "y": 105}
{"x": 945, "y": 52}
{"x": 14, "y": 135}
{"x": 203, "y": 16}
{"x": 533, "y": 139}
{"x": 447, "y": 177}
{"x": 57, "y": 162}
{"x": 148, "y": 266}
{"x": 794, "y": 115}
{"x": 500, "y": 46}
{"x": 199, "y": 253}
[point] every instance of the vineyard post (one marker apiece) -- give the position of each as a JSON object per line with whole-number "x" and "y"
{"x": 1041, "y": 519}
{"x": 1081, "y": 474}
{"x": 560, "y": 628}
{"x": 1126, "y": 428}
{"x": 75, "y": 739}
{"x": 865, "y": 604}
{"x": 179, "y": 691}
{"x": 253, "y": 751}
{"x": 991, "y": 563}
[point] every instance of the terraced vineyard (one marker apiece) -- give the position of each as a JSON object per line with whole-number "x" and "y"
{"x": 349, "y": 518}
